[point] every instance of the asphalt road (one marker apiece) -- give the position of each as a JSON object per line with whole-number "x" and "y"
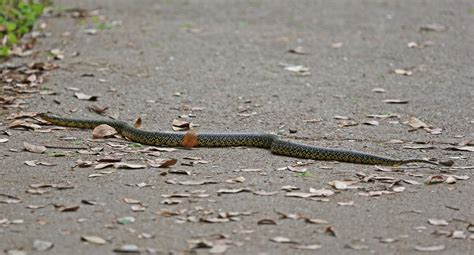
{"x": 224, "y": 65}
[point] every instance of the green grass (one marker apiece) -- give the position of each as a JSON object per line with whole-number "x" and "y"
{"x": 17, "y": 18}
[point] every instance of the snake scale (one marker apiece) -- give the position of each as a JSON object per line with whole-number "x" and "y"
{"x": 260, "y": 140}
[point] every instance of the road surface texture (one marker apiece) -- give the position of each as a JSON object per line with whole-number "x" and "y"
{"x": 316, "y": 68}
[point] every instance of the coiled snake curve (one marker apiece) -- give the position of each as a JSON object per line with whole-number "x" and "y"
{"x": 260, "y": 140}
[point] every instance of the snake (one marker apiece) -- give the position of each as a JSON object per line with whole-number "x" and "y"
{"x": 267, "y": 141}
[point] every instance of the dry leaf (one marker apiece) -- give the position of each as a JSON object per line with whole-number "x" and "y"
{"x": 378, "y": 90}
{"x": 461, "y": 148}
{"x": 197, "y": 182}
{"x": 371, "y": 123}
{"x": 298, "y": 69}
{"x": 162, "y": 163}
{"x": 430, "y": 248}
{"x": 3, "y": 140}
{"x": 298, "y": 50}
{"x": 438, "y": 222}
{"x": 316, "y": 221}
{"x": 336, "y": 45}
{"x": 190, "y": 139}
{"x": 23, "y": 124}
{"x": 93, "y": 239}
{"x": 281, "y": 239}
{"x": 34, "y": 148}
{"x": 103, "y": 131}
{"x": 434, "y": 179}
{"x": 233, "y": 191}
{"x": 97, "y": 109}
{"x": 40, "y": 245}
{"x": 403, "y": 72}
{"x": 415, "y": 123}
{"x": 266, "y": 222}
{"x": 434, "y": 27}
{"x": 137, "y": 123}
{"x": 308, "y": 247}
{"x": 128, "y": 248}
{"x": 181, "y": 125}
{"x": 348, "y": 123}
{"x": 123, "y": 165}
{"x": 82, "y": 96}
{"x": 63, "y": 208}
{"x": 395, "y": 101}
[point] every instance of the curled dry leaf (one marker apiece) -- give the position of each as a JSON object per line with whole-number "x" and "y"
{"x": 82, "y": 96}
{"x": 123, "y": 165}
{"x": 416, "y": 123}
{"x": 97, "y": 109}
{"x": 348, "y": 123}
{"x": 34, "y": 148}
{"x": 3, "y": 140}
{"x": 266, "y": 222}
{"x": 430, "y": 248}
{"x": 434, "y": 179}
{"x": 395, "y": 101}
{"x": 181, "y": 125}
{"x": 137, "y": 123}
{"x": 438, "y": 222}
{"x": 103, "y": 131}
{"x": 298, "y": 70}
{"x": 298, "y": 50}
{"x": 371, "y": 123}
{"x": 162, "y": 163}
{"x": 282, "y": 239}
{"x": 308, "y": 247}
{"x": 233, "y": 191}
{"x": 93, "y": 239}
{"x": 197, "y": 182}
{"x": 403, "y": 72}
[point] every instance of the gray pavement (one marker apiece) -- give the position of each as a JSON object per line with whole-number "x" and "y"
{"x": 223, "y": 63}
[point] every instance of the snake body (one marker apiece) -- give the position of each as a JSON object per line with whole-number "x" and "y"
{"x": 260, "y": 140}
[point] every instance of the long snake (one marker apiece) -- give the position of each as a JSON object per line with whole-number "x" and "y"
{"x": 261, "y": 140}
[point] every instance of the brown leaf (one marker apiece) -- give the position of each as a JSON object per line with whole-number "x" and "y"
{"x": 190, "y": 139}
{"x": 137, "y": 123}
{"x": 103, "y": 131}
{"x": 34, "y": 148}
{"x": 82, "y": 96}
{"x": 330, "y": 231}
